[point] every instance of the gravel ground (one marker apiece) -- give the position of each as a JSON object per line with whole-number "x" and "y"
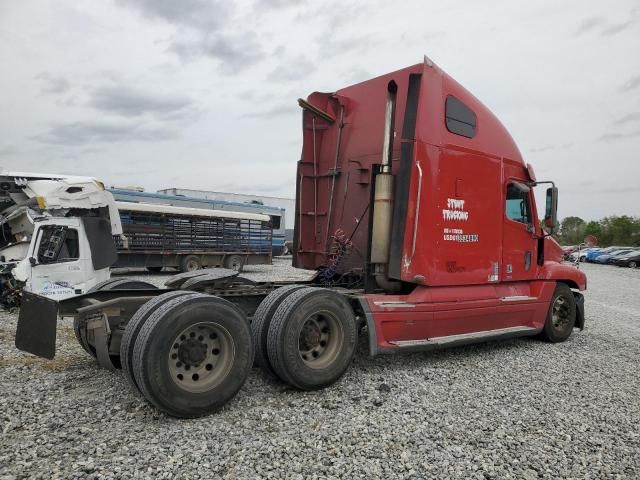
{"x": 516, "y": 409}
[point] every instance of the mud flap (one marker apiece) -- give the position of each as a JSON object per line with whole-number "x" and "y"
{"x": 579, "y": 310}
{"x": 36, "y": 332}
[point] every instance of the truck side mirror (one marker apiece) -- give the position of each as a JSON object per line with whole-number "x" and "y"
{"x": 551, "y": 210}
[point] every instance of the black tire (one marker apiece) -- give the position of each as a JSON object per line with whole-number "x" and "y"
{"x": 633, "y": 264}
{"x": 561, "y": 317}
{"x": 190, "y": 263}
{"x": 121, "y": 284}
{"x": 102, "y": 285}
{"x": 154, "y": 269}
{"x": 312, "y": 307}
{"x": 86, "y": 347}
{"x": 260, "y": 325}
{"x": 170, "y": 323}
{"x": 234, "y": 262}
{"x": 133, "y": 327}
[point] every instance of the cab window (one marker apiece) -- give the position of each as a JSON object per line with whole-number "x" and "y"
{"x": 58, "y": 244}
{"x": 275, "y": 222}
{"x": 518, "y": 206}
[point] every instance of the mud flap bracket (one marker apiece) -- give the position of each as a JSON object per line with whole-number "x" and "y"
{"x": 101, "y": 336}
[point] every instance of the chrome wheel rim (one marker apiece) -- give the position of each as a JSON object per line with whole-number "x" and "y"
{"x": 560, "y": 313}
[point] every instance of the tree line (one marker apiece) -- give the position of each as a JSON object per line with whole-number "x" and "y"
{"x": 615, "y": 230}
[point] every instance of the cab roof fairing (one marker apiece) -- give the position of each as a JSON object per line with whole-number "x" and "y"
{"x": 492, "y": 138}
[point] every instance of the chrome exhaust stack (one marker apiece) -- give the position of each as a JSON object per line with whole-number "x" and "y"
{"x": 383, "y": 200}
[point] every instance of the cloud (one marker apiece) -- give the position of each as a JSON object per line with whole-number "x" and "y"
{"x": 203, "y": 31}
{"x": 276, "y": 4}
{"x": 606, "y": 29}
{"x": 589, "y": 24}
{"x": 609, "y": 137}
{"x": 199, "y": 14}
{"x": 131, "y": 102}
{"x": 631, "y": 84}
{"x": 8, "y": 150}
{"x": 293, "y": 70}
{"x": 331, "y": 47}
{"x": 548, "y": 148}
{"x": 631, "y": 117}
{"x": 357, "y": 75}
{"x": 91, "y": 132}
{"x": 276, "y": 111}
{"x": 617, "y": 28}
{"x": 255, "y": 95}
{"x": 52, "y": 84}
{"x": 235, "y": 52}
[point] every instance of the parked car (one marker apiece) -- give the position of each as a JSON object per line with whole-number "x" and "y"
{"x": 568, "y": 250}
{"x": 573, "y": 257}
{"x": 595, "y": 253}
{"x": 629, "y": 260}
{"x": 606, "y": 258}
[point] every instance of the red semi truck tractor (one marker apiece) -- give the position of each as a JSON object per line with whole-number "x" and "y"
{"x": 417, "y": 211}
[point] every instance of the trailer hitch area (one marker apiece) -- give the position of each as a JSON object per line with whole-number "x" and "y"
{"x": 37, "y": 322}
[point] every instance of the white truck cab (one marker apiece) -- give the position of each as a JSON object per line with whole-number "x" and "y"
{"x": 59, "y": 262}
{"x": 56, "y": 235}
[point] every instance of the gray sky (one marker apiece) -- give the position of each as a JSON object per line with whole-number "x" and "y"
{"x": 202, "y": 94}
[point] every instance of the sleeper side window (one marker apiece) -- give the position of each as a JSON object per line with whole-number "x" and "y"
{"x": 518, "y": 206}
{"x": 459, "y": 118}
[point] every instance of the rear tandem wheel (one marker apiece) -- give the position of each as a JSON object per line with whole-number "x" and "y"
{"x": 131, "y": 331}
{"x": 260, "y": 325}
{"x": 312, "y": 338}
{"x": 192, "y": 355}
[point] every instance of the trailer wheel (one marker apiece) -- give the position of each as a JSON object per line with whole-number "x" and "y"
{"x": 260, "y": 325}
{"x": 312, "y": 338}
{"x": 234, "y": 262}
{"x": 111, "y": 284}
{"x": 192, "y": 355}
{"x": 133, "y": 327}
{"x": 562, "y": 315}
{"x": 190, "y": 263}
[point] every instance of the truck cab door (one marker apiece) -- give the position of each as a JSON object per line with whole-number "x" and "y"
{"x": 518, "y": 240}
{"x": 57, "y": 266}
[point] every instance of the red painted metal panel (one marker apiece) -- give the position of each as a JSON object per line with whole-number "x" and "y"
{"x": 459, "y": 250}
{"x": 430, "y": 312}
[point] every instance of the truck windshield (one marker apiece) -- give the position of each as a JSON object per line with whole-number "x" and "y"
{"x": 57, "y": 244}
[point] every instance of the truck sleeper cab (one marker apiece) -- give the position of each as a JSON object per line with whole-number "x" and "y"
{"x": 416, "y": 210}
